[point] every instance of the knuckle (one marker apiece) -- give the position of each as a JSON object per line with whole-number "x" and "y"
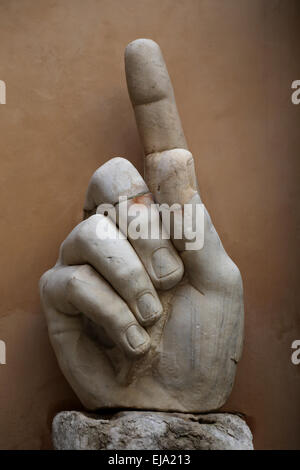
{"x": 77, "y": 277}
{"x": 99, "y": 176}
{"x": 83, "y": 231}
{"x": 94, "y": 189}
{"x": 79, "y": 238}
{"x": 44, "y": 284}
{"x": 136, "y": 270}
{"x": 72, "y": 285}
{"x": 94, "y": 184}
{"x": 130, "y": 271}
{"x": 94, "y": 219}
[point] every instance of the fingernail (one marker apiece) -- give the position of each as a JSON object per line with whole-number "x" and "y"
{"x": 136, "y": 336}
{"x": 164, "y": 263}
{"x": 149, "y": 308}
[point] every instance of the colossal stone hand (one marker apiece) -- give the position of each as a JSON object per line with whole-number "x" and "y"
{"x": 145, "y": 323}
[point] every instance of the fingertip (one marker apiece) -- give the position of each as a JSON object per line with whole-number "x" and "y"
{"x": 167, "y": 267}
{"x": 141, "y": 43}
{"x": 136, "y": 341}
{"x": 148, "y": 308}
{"x": 115, "y": 178}
{"x": 146, "y": 72}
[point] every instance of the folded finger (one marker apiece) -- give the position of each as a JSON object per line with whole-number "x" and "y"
{"x": 80, "y": 289}
{"x": 98, "y": 242}
{"x": 142, "y": 223}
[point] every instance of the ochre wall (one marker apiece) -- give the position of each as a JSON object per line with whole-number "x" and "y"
{"x": 232, "y": 63}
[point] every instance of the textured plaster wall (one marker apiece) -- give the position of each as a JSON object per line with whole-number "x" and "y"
{"x": 232, "y": 63}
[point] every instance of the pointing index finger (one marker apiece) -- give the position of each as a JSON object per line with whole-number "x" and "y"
{"x": 152, "y": 97}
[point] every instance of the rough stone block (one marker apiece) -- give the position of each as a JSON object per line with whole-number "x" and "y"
{"x": 138, "y": 430}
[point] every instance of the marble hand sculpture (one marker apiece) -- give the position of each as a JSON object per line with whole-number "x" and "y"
{"x": 145, "y": 323}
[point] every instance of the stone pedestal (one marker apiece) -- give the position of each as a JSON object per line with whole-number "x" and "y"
{"x": 139, "y": 430}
